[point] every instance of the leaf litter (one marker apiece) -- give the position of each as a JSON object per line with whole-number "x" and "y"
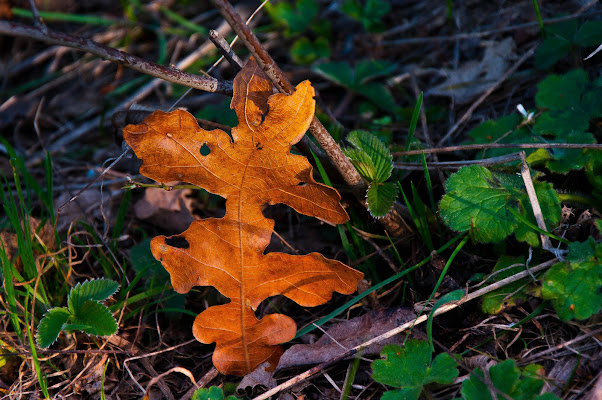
{"x": 428, "y": 59}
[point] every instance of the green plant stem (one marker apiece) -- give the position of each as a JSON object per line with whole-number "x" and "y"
{"x": 378, "y": 286}
{"x": 350, "y": 378}
{"x": 34, "y": 354}
{"x": 542, "y": 31}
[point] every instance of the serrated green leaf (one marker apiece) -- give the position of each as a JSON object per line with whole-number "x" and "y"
{"x": 581, "y": 251}
{"x": 589, "y": 34}
{"x": 575, "y": 288}
{"x": 338, "y": 72}
{"x": 565, "y": 160}
{"x": 561, "y": 92}
{"x": 411, "y": 367}
{"x": 362, "y": 162}
{"x": 402, "y": 394}
{"x": 380, "y": 198}
{"x": 478, "y": 201}
{"x": 506, "y": 378}
{"x": 444, "y": 370}
{"x": 561, "y": 123}
{"x": 376, "y": 150}
{"x": 96, "y": 289}
{"x": 502, "y": 130}
{"x": 51, "y": 326}
{"x": 97, "y": 318}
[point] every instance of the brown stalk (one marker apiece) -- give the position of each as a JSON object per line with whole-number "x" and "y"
{"x": 394, "y": 221}
{"x": 169, "y": 74}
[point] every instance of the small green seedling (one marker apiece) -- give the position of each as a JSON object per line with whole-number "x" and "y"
{"x": 492, "y": 206}
{"x": 370, "y": 14}
{"x": 373, "y": 161}
{"x": 411, "y": 367}
{"x": 84, "y": 313}
{"x": 564, "y": 37}
{"x": 212, "y": 393}
{"x": 575, "y": 285}
{"x": 359, "y": 80}
{"x": 508, "y": 382}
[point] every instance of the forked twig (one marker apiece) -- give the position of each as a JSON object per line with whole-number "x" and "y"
{"x": 441, "y": 310}
{"x": 394, "y": 221}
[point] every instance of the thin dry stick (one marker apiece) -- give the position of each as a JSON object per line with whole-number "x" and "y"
{"x": 486, "y": 146}
{"x": 221, "y": 43}
{"x": 526, "y": 175}
{"x": 394, "y": 221}
{"x": 441, "y": 310}
{"x": 482, "y": 98}
{"x": 457, "y": 164}
{"x": 169, "y": 74}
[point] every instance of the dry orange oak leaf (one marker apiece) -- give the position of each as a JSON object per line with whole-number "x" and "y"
{"x": 251, "y": 169}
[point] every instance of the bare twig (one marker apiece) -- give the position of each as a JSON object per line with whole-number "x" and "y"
{"x": 486, "y": 146}
{"x": 482, "y": 98}
{"x": 37, "y": 20}
{"x": 393, "y": 222}
{"x": 441, "y": 310}
{"x": 223, "y": 46}
{"x": 457, "y": 164}
{"x": 169, "y": 74}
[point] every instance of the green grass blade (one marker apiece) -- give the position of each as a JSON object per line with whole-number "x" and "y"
{"x": 413, "y": 124}
{"x": 9, "y": 289}
{"x": 34, "y": 354}
{"x": 183, "y": 21}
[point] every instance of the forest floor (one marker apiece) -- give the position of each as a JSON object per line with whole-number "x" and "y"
{"x": 468, "y": 61}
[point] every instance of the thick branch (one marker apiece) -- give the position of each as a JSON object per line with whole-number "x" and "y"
{"x": 393, "y": 221}
{"x": 169, "y": 74}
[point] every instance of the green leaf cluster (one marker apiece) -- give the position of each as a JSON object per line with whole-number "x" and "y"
{"x": 575, "y": 285}
{"x": 359, "y": 79}
{"x": 372, "y": 159}
{"x": 84, "y": 312}
{"x": 298, "y": 19}
{"x": 370, "y": 13}
{"x": 482, "y": 202}
{"x": 411, "y": 367}
{"x": 508, "y": 382}
{"x": 212, "y": 393}
{"x": 567, "y": 103}
{"x": 565, "y": 36}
